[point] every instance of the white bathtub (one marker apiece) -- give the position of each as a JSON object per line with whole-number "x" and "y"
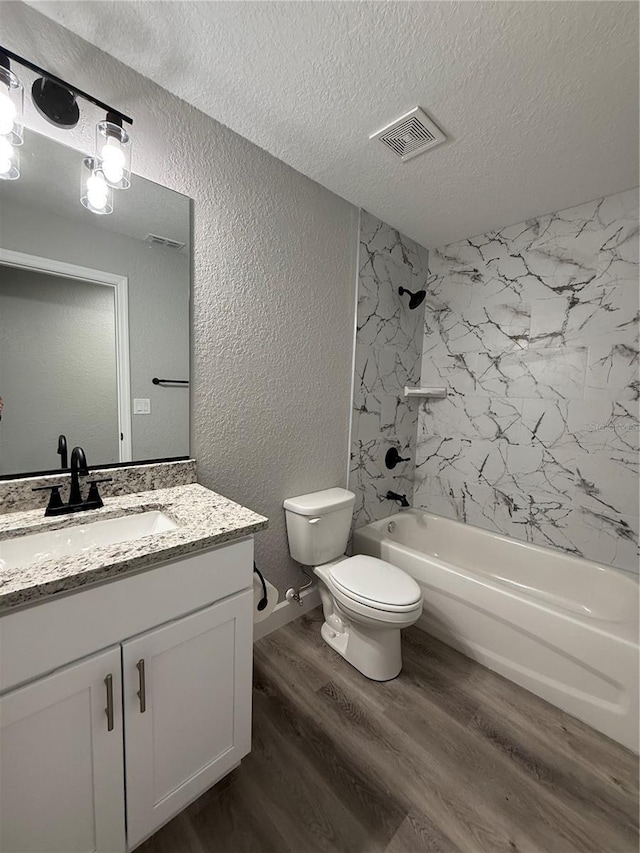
{"x": 563, "y": 627}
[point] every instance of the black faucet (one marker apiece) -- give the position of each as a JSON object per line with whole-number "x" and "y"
{"x": 402, "y": 499}
{"x": 62, "y": 452}
{"x": 78, "y": 466}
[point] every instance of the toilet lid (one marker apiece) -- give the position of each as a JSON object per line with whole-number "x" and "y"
{"x": 372, "y": 580}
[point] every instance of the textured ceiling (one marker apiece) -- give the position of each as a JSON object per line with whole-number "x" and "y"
{"x": 539, "y": 99}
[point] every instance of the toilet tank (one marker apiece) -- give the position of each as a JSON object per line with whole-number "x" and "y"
{"x": 318, "y": 525}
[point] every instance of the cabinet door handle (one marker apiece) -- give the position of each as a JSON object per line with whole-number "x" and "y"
{"x": 109, "y": 709}
{"x": 142, "y": 693}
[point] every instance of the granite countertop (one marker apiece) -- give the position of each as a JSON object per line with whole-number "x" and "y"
{"x": 204, "y": 518}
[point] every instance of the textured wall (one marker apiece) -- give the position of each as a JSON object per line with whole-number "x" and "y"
{"x": 273, "y": 287}
{"x": 388, "y": 347}
{"x": 534, "y": 328}
{"x": 57, "y": 370}
{"x": 158, "y": 317}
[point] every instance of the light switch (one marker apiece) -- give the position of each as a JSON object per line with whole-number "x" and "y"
{"x": 141, "y": 406}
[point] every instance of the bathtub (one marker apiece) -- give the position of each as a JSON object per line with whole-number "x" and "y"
{"x": 563, "y": 627}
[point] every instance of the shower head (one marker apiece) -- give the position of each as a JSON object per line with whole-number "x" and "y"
{"x": 417, "y": 298}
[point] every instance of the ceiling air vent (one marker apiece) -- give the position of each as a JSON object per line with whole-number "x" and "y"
{"x": 164, "y": 241}
{"x": 410, "y": 135}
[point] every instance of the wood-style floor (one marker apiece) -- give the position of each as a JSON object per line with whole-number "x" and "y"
{"x": 447, "y": 757}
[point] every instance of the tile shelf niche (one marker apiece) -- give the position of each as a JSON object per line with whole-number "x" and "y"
{"x": 437, "y": 392}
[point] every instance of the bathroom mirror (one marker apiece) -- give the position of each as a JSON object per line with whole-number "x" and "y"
{"x": 93, "y": 309}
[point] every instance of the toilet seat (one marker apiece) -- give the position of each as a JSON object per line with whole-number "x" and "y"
{"x": 359, "y": 611}
{"x": 374, "y": 583}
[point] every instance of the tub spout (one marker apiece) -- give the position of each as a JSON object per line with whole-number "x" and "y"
{"x": 402, "y": 499}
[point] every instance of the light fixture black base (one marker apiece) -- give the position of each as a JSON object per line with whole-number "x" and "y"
{"x": 55, "y": 103}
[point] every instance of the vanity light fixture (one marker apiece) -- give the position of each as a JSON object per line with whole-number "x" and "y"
{"x": 113, "y": 150}
{"x": 57, "y": 102}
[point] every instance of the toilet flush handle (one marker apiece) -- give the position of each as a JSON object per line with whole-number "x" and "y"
{"x": 314, "y": 520}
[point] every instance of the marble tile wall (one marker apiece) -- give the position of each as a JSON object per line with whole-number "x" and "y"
{"x": 388, "y": 347}
{"x": 534, "y": 329}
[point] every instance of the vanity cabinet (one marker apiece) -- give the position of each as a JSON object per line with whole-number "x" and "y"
{"x": 161, "y": 712}
{"x": 61, "y": 769}
{"x": 187, "y": 701}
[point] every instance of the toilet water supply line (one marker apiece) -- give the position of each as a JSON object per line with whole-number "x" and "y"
{"x": 295, "y": 595}
{"x": 264, "y": 600}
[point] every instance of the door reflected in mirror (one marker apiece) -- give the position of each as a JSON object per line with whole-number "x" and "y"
{"x": 92, "y": 309}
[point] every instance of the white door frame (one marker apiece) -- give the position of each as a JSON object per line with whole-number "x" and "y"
{"x": 120, "y": 284}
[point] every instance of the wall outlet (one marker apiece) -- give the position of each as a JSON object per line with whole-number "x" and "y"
{"x": 141, "y": 406}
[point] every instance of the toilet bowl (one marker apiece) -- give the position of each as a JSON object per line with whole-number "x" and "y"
{"x": 366, "y": 601}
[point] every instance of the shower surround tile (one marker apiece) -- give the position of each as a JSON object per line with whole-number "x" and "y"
{"x": 472, "y": 417}
{"x": 545, "y": 373}
{"x": 534, "y": 329}
{"x": 389, "y": 339}
{"x": 612, "y": 372}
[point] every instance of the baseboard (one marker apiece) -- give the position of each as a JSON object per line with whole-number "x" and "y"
{"x": 285, "y": 612}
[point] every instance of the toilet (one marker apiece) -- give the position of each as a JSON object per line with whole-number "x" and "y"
{"x": 366, "y": 601}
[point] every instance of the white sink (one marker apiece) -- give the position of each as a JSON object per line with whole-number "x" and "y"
{"x": 54, "y": 544}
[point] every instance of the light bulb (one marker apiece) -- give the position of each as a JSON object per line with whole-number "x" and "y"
{"x": 96, "y": 185}
{"x": 7, "y": 111}
{"x": 98, "y": 202}
{"x": 113, "y": 160}
{"x": 97, "y": 191}
{"x": 113, "y": 151}
{"x": 113, "y": 172}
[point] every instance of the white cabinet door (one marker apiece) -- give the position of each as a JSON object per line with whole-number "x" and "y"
{"x": 61, "y": 764}
{"x": 187, "y": 700}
